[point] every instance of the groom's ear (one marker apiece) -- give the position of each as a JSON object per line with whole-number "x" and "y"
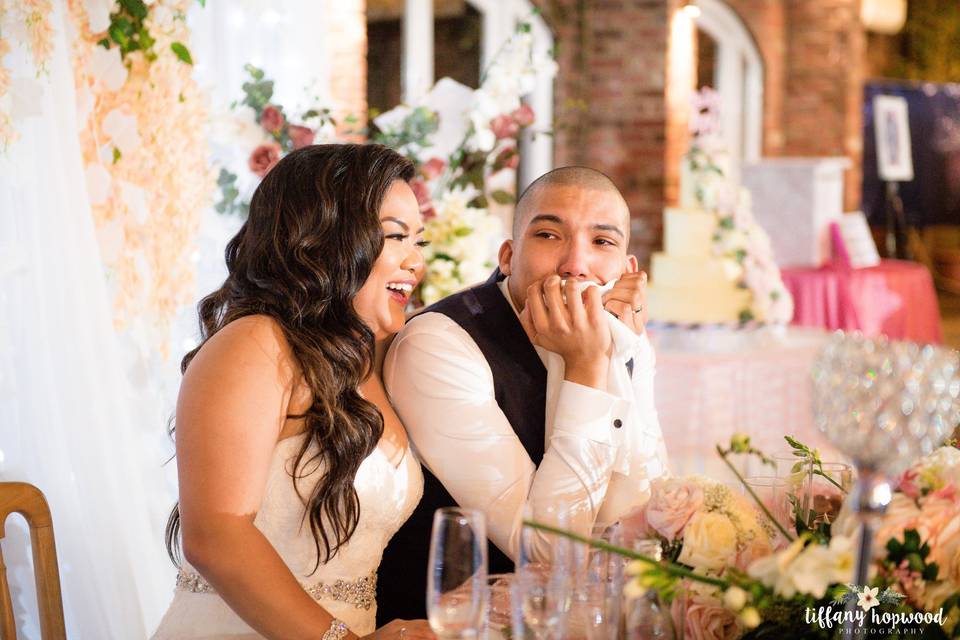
{"x": 633, "y": 265}
{"x": 506, "y": 255}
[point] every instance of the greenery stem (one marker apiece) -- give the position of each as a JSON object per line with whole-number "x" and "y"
{"x": 668, "y": 567}
{"x": 763, "y": 507}
{"x": 820, "y": 473}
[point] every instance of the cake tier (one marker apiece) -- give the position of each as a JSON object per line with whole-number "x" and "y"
{"x": 713, "y": 169}
{"x": 688, "y": 232}
{"x": 685, "y": 271}
{"x": 697, "y": 304}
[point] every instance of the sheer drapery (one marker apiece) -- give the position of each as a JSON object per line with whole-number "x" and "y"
{"x": 74, "y": 420}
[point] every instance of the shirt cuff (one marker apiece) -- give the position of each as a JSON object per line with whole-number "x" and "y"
{"x": 589, "y": 413}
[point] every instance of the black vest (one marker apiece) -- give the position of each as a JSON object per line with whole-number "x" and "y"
{"x": 520, "y": 388}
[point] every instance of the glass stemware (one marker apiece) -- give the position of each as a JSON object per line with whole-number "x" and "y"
{"x": 457, "y": 579}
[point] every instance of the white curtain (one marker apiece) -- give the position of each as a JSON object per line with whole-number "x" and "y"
{"x": 73, "y": 419}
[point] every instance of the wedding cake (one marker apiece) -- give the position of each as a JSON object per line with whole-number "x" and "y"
{"x": 717, "y": 265}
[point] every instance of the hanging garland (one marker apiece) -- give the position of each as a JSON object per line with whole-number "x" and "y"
{"x": 141, "y": 117}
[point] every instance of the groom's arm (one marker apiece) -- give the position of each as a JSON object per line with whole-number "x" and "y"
{"x": 442, "y": 388}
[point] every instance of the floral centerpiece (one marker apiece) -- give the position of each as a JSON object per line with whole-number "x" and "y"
{"x": 743, "y": 574}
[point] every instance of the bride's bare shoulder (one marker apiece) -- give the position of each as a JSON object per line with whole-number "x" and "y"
{"x": 255, "y": 341}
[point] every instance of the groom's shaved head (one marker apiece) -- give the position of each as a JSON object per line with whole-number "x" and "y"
{"x": 577, "y": 177}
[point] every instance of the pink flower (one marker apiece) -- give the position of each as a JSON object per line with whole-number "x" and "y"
{"x": 523, "y": 115}
{"x": 432, "y": 168}
{"x": 908, "y": 484}
{"x": 758, "y": 547}
{"x": 503, "y": 126}
{"x": 508, "y": 158}
{"x": 422, "y": 193}
{"x": 704, "y": 618}
{"x": 672, "y": 503}
{"x": 947, "y": 492}
{"x": 264, "y": 157}
{"x": 271, "y": 119}
{"x": 300, "y": 136}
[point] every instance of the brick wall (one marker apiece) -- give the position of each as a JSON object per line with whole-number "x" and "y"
{"x": 619, "y": 110}
{"x": 610, "y": 101}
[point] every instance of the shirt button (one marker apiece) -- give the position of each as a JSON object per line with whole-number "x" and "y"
{"x": 618, "y": 423}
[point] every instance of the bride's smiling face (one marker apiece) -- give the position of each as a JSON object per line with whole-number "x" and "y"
{"x": 398, "y": 269}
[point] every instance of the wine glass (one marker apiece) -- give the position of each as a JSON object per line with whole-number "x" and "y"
{"x": 457, "y": 573}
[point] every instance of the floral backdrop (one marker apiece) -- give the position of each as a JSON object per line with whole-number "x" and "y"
{"x": 148, "y": 173}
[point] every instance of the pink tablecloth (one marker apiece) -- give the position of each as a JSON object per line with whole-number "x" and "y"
{"x": 895, "y": 298}
{"x": 759, "y": 385}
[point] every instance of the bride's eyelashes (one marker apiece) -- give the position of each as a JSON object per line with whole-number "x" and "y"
{"x": 403, "y": 236}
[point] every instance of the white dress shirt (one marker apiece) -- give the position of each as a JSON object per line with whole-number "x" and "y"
{"x": 602, "y": 448}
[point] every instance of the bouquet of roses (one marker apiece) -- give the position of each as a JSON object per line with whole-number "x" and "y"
{"x": 742, "y": 573}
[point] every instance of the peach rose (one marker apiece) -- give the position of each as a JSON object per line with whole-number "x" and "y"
{"x": 264, "y": 157}
{"x": 704, "y": 618}
{"x": 432, "y": 168}
{"x": 523, "y": 115}
{"x": 271, "y": 119}
{"x": 300, "y": 136}
{"x": 422, "y": 193}
{"x": 508, "y": 158}
{"x": 503, "y": 126}
{"x": 672, "y": 503}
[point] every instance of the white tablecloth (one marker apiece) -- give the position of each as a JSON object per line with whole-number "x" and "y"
{"x": 711, "y": 385}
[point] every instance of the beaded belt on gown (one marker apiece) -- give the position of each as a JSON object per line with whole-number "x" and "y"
{"x": 361, "y": 593}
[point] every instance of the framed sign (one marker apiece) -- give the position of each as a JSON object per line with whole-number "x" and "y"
{"x": 892, "y": 130}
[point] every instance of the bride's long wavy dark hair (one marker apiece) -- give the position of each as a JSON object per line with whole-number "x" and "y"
{"x": 307, "y": 247}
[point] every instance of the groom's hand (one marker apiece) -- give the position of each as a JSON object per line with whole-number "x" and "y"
{"x": 628, "y": 300}
{"x": 572, "y": 325}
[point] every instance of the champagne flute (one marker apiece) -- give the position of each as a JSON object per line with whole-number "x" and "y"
{"x": 544, "y": 582}
{"x": 457, "y": 573}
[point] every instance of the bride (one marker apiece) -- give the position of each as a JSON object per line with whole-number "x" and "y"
{"x": 294, "y": 470}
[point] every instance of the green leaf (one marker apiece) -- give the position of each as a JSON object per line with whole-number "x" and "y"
{"x": 116, "y": 155}
{"x": 911, "y": 539}
{"x": 502, "y": 197}
{"x": 203, "y": 4}
{"x": 931, "y": 571}
{"x": 123, "y": 25}
{"x": 136, "y": 8}
{"x": 105, "y": 43}
{"x": 146, "y": 40}
{"x": 117, "y": 35}
{"x": 181, "y": 52}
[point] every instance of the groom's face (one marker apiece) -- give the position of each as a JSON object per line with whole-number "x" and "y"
{"x": 571, "y": 231}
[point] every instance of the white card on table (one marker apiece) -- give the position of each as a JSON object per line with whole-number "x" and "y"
{"x": 858, "y": 241}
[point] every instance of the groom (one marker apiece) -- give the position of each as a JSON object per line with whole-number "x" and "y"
{"x": 521, "y": 394}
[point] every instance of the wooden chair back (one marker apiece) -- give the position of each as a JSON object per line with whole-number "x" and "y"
{"x": 27, "y": 500}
